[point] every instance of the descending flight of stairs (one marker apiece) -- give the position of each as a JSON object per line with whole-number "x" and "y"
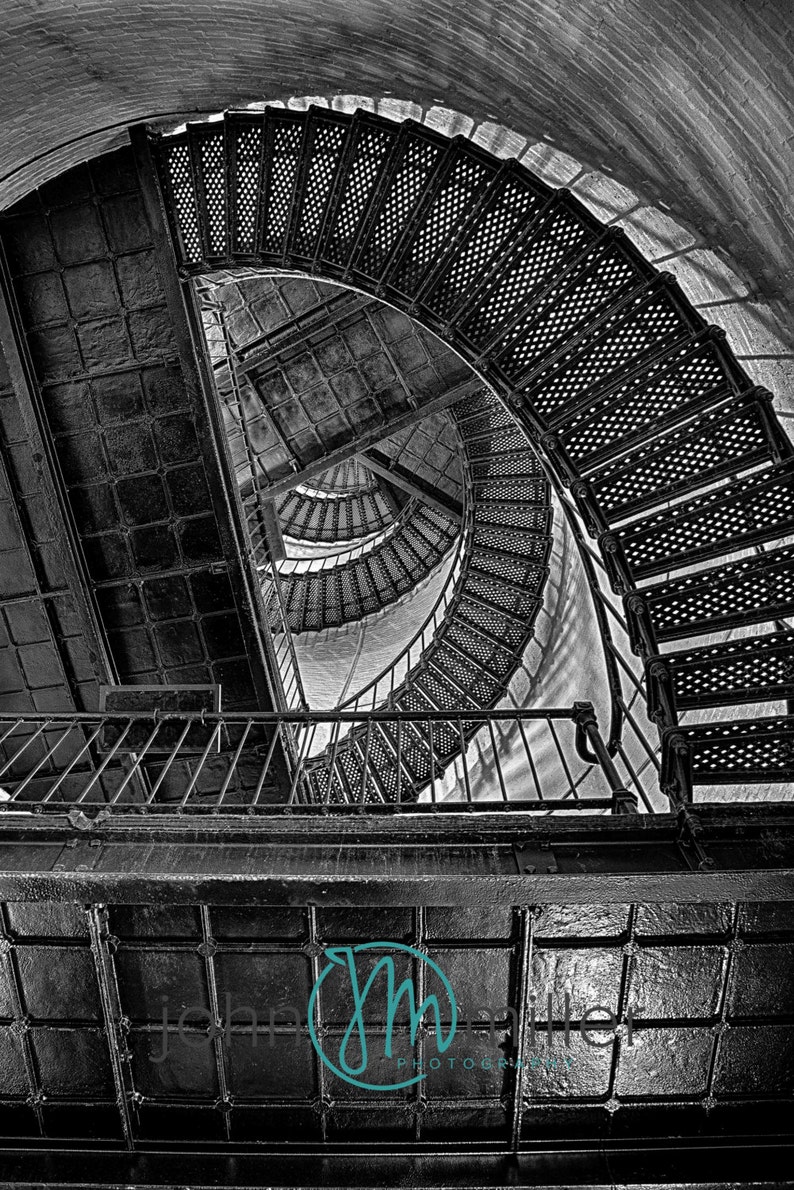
{"x": 485, "y": 629}
{"x": 336, "y": 595}
{"x": 675, "y": 459}
{"x": 357, "y": 506}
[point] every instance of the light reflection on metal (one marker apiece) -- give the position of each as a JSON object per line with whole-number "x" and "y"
{"x": 178, "y": 762}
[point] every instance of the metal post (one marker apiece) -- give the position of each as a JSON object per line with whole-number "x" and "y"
{"x": 623, "y": 800}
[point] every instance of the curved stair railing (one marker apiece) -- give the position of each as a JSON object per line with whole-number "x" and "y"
{"x": 674, "y": 458}
{"x": 338, "y": 591}
{"x": 480, "y": 640}
{"x": 379, "y": 690}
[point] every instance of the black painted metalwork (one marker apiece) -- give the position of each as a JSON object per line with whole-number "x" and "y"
{"x": 142, "y": 920}
{"x": 630, "y": 398}
{"x": 175, "y": 759}
{"x": 239, "y": 872}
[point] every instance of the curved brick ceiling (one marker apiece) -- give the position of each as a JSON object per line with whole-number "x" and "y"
{"x": 682, "y": 103}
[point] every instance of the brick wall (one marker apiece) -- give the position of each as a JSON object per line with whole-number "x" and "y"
{"x": 129, "y": 437}
{"x": 690, "y": 104}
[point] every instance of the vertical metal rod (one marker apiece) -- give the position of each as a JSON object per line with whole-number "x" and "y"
{"x": 214, "y": 739}
{"x": 10, "y": 731}
{"x": 635, "y": 780}
{"x": 399, "y": 760}
{"x": 432, "y": 761}
{"x": 497, "y": 764}
{"x": 208, "y": 951}
{"x": 234, "y": 761}
{"x": 635, "y": 681}
{"x": 466, "y": 781}
{"x": 266, "y": 766}
{"x": 531, "y": 760}
{"x": 166, "y": 767}
{"x": 641, "y": 736}
{"x": 306, "y": 743}
{"x": 139, "y": 758}
{"x": 111, "y": 1012}
{"x": 626, "y": 972}
{"x": 336, "y": 732}
{"x": 316, "y": 955}
{"x": 365, "y": 766}
{"x": 9, "y": 763}
{"x": 563, "y": 758}
{"x": 525, "y": 959}
{"x": 376, "y": 778}
{"x": 104, "y": 764}
{"x": 419, "y": 972}
{"x": 722, "y": 1007}
{"x": 47, "y": 756}
{"x": 75, "y": 760}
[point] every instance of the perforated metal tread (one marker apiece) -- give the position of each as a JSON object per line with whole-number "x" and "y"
{"x": 748, "y": 670}
{"x": 355, "y": 506}
{"x": 744, "y": 513}
{"x": 469, "y": 661}
{"x": 319, "y": 599}
{"x": 751, "y": 591}
{"x": 612, "y": 371}
{"x": 743, "y": 750}
{"x": 720, "y": 442}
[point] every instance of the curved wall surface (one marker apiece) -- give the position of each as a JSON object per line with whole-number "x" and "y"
{"x": 684, "y": 103}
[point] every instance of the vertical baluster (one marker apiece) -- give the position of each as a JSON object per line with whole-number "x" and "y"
{"x": 139, "y": 759}
{"x": 465, "y": 763}
{"x": 531, "y": 760}
{"x": 636, "y": 781}
{"x": 432, "y": 761}
{"x": 305, "y": 749}
{"x": 49, "y": 753}
{"x": 213, "y": 740}
{"x": 233, "y": 763}
{"x": 399, "y": 760}
{"x": 336, "y": 731}
{"x": 266, "y": 765}
{"x": 74, "y": 761}
{"x": 497, "y": 763}
{"x": 563, "y": 759}
{"x": 105, "y": 763}
{"x": 365, "y": 767}
{"x": 167, "y": 766}
{"x": 9, "y": 763}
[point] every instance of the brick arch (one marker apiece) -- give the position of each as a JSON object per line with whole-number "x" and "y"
{"x": 594, "y": 77}
{"x": 634, "y": 403}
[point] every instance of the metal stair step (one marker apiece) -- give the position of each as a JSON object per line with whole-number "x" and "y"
{"x": 738, "y": 752}
{"x": 751, "y": 591}
{"x": 748, "y": 670}
{"x": 736, "y": 437}
{"x": 741, "y": 514}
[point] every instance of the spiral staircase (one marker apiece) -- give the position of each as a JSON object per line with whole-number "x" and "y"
{"x": 485, "y": 629}
{"x": 157, "y": 855}
{"x": 356, "y": 544}
{"x": 674, "y": 458}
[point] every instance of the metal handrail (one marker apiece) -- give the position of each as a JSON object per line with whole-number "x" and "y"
{"x": 176, "y": 761}
{"x": 286, "y": 657}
